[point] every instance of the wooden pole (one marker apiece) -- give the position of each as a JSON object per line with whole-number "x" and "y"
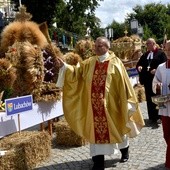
{"x": 42, "y": 126}
{"x": 19, "y": 126}
{"x": 50, "y": 129}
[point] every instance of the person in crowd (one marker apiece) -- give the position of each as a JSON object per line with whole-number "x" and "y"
{"x": 99, "y": 103}
{"x": 146, "y": 67}
{"x": 161, "y": 85}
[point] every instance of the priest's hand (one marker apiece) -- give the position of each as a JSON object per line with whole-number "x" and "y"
{"x": 59, "y": 62}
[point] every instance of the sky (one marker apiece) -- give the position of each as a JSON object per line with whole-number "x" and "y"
{"x": 110, "y": 10}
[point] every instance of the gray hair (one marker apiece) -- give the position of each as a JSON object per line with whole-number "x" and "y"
{"x": 104, "y": 40}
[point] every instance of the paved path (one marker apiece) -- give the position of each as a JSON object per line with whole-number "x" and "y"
{"x": 147, "y": 152}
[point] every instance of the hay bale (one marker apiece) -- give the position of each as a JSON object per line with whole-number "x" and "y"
{"x": 25, "y": 150}
{"x": 65, "y": 136}
{"x": 12, "y": 160}
{"x": 140, "y": 92}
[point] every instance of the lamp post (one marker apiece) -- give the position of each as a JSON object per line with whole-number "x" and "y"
{"x": 140, "y": 31}
{"x": 134, "y": 26}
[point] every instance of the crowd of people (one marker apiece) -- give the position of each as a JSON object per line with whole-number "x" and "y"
{"x": 100, "y": 104}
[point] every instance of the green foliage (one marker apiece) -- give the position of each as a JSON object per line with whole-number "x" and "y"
{"x": 153, "y": 17}
{"x": 118, "y": 29}
{"x": 78, "y": 15}
{"x": 148, "y": 33}
{"x": 41, "y": 10}
{"x": 70, "y": 15}
{"x": 168, "y": 30}
{"x": 168, "y": 23}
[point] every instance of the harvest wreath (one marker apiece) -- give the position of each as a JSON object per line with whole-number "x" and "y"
{"x": 25, "y": 47}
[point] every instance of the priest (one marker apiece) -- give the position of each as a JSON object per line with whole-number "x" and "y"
{"x": 99, "y": 103}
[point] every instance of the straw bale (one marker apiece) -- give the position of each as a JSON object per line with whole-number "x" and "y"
{"x": 25, "y": 150}
{"x": 12, "y": 160}
{"x": 65, "y": 136}
{"x": 140, "y": 92}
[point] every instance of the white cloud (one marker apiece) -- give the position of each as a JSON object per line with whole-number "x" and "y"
{"x": 110, "y": 10}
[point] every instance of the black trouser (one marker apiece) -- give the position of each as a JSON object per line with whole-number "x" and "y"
{"x": 151, "y": 107}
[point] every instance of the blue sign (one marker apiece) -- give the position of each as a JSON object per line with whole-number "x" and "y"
{"x": 18, "y": 105}
{"x": 132, "y": 72}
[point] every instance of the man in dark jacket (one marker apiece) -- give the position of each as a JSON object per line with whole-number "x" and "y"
{"x": 146, "y": 68}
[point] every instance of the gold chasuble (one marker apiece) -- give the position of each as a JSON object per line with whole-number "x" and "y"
{"x": 95, "y": 101}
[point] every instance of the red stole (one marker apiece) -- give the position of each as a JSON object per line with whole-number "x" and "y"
{"x": 101, "y": 130}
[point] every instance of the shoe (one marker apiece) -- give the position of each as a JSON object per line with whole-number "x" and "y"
{"x": 125, "y": 154}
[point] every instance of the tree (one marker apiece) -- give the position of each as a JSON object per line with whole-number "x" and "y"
{"x": 168, "y": 23}
{"x": 118, "y": 29}
{"x": 70, "y": 15}
{"x": 41, "y": 10}
{"x": 148, "y": 33}
{"x": 153, "y": 17}
{"x": 78, "y": 15}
